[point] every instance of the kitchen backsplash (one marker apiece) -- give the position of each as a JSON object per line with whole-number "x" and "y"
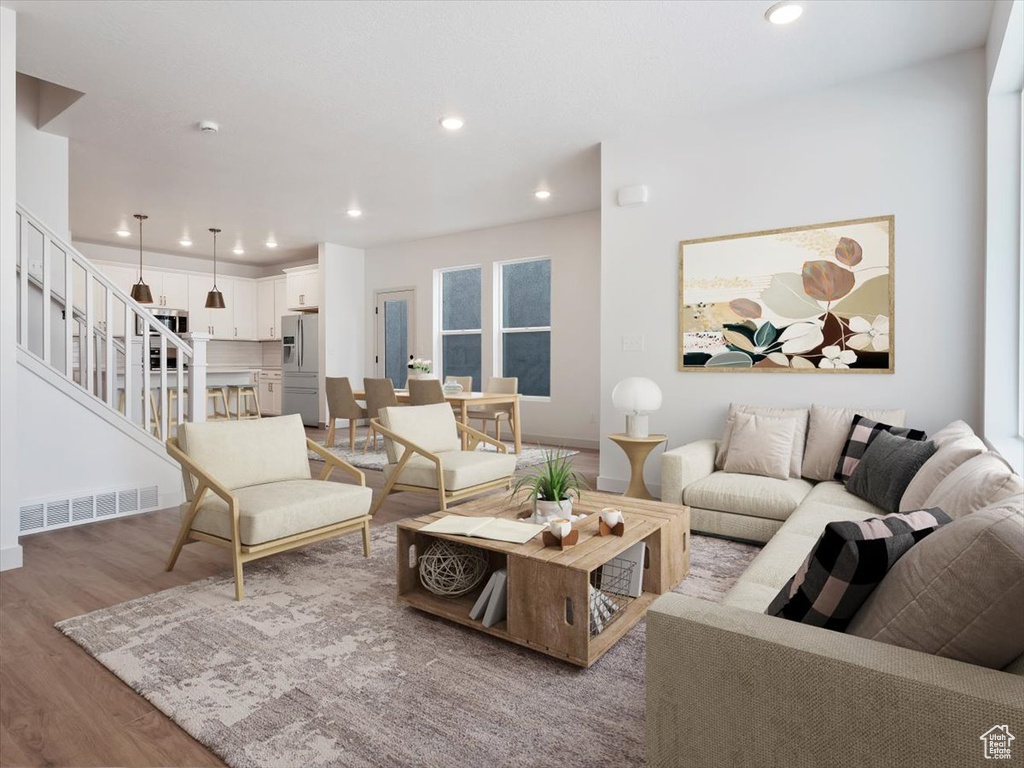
{"x": 271, "y": 354}
{"x": 244, "y": 354}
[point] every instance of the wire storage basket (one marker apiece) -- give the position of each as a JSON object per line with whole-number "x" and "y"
{"x": 609, "y": 593}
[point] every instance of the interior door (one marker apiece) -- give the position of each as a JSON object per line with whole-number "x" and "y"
{"x": 396, "y": 334}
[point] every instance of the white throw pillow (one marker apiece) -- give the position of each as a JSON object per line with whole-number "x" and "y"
{"x": 760, "y": 445}
{"x": 947, "y": 458}
{"x": 974, "y": 485}
{"x": 799, "y": 416}
{"x": 827, "y": 432}
{"x": 952, "y": 431}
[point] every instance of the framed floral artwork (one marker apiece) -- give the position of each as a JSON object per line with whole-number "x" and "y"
{"x": 815, "y": 299}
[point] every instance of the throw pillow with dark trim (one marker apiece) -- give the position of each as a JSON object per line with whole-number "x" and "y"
{"x": 846, "y": 564}
{"x": 862, "y": 432}
{"x": 886, "y": 469}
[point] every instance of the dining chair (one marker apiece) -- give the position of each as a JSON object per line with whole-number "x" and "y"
{"x": 508, "y": 385}
{"x": 342, "y": 404}
{"x": 380, "y": 393}
{"x": 425, "y": 392}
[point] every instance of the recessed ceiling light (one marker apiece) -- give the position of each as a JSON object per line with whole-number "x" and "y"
{"x": 784, "y": 13}
{"x": 452, "y": 123}
{"x": 238, "y": 251}
{"x": 354, "y": 213}
{"x": 542, "y": 194}
{"x": 271, "y": 244}
{"x": 185, "y": 242}
{"x": 123, "y": 233}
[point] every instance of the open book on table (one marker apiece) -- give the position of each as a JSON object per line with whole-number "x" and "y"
{"x": 494, "y": 528}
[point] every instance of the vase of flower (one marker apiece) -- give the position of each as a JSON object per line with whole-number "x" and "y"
{"x": 419, "y": 368}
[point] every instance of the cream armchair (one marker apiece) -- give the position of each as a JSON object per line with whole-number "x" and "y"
{"x": 423, "y": 444}
{"x": 250, "y": 490}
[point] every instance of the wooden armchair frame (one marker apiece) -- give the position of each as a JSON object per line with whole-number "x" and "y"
{"x": 198, "y": 483}
{"x": 444, "y": 496}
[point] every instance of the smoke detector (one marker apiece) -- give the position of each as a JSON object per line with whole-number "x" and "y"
{"x": 208, "y": 126}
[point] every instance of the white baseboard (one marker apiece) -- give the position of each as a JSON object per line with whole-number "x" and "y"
{"x": 11, "y": 557}
{"x": 560, "y": 442}
{"x": 618, "y": 485}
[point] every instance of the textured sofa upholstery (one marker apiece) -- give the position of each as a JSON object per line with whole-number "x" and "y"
{"x": 728, "y": 685}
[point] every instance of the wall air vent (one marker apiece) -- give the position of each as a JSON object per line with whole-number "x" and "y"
{"x": 47, "y": 514}
{"x": 58, "y": 512}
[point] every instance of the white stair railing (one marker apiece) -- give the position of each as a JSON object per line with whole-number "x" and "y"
{"x": 84, "y": 327}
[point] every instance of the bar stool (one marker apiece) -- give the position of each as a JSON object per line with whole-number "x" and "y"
{"x": 172, "y": 406}
{"x": 154, "y": 411}
{"x": 247, "y": 402}
{"x": 215, "y": 395}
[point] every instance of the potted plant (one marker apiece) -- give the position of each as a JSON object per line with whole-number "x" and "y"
{"x": 551, "y": 488}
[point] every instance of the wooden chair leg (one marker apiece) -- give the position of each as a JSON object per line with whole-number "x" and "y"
{"x": 330, "y": 434}
{"x": 366, "y": 539}
{"x": 384, "y": 493}
{"x": 497, "y": 430}
{"x": 366, "y": 445}
{"x": 239, "y": 584}
{"x": 186, "y": 526}
{"x": 352, "y": 435}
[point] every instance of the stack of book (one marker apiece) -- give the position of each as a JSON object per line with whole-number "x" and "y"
{"x": 491, "y": 606}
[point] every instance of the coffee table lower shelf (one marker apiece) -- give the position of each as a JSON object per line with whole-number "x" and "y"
{"x": 457, "y": 610}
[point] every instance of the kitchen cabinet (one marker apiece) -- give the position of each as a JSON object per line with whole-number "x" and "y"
{"x": 271, "y": 306}
{"x": 170, "y": 289}
{"x": 220, "y": 323}
{"x": 243, "y": 309}
{"x": 270, "y": 393}
{"x": 303, "y": 288}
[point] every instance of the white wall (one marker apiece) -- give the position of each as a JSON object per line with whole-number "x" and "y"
{"x": 909, "y": 143}
{"x": 573, "y": 245}
{"x": 342, "y": 317}
{"x": 10, "y": 550}
{"x": 69, "y": 450}
{"x": 42, "y": 163}
{"x": 129, "y": 255}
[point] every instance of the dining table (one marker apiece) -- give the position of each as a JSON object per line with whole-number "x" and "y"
{"x": 462, "y": 402}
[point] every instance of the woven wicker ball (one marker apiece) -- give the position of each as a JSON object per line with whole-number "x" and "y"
{"x": 450, "y": 569}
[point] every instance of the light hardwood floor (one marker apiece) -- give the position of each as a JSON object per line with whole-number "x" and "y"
{"x": 60, "y": 707}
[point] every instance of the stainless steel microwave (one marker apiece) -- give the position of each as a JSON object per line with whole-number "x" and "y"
{"x": 174, "y": 320}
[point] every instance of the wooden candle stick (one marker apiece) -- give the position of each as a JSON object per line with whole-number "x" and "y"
{"x": 550, "y": 540}
{"x": 619, "y": 529}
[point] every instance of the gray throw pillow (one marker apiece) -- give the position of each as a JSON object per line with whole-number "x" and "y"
{"x": 959, "y": 593}
{"x": 886, "y": 469}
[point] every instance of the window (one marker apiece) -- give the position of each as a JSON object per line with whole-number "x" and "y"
{"x": 524, "y": 327}
{"x": 459, "y": 302}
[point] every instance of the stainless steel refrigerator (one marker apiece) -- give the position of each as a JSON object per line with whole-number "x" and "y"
{"x": 300, "y": 375}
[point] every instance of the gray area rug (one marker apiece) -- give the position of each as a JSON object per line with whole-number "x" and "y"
{"x": 320, "y": 666}
{"x": 530, "y": 457}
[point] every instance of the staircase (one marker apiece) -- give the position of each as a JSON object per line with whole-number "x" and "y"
{"x": 85, "y": 337}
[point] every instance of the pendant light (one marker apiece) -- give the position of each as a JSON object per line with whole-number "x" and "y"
{"x": 214, "y": 299}
{"x": 140, "y": 291}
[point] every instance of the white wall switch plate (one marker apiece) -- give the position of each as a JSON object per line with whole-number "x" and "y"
{"x": 632, "y": 343}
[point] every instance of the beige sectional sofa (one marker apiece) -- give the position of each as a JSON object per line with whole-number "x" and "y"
{"x": 729, "y": 685}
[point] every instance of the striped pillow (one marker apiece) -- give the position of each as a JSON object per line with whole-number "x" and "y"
{"x": 847, "y": 563}
{"x": 862, "y": 432}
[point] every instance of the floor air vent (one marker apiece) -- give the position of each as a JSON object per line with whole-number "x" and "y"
{"x": 58, "y": 513}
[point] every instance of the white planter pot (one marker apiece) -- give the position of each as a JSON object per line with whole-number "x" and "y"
{"x": 420, "y": 375}
{"x": 545, "y": 511}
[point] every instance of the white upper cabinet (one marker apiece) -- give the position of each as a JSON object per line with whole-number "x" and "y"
{"x": 303, "y": 288}
{"x": 271, "y": 306}
{"x": 170, "y": 290}
{"x": 243, "y": 309}
{"x": 266, "y": 322}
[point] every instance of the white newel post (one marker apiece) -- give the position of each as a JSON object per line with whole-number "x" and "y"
{"x": 197, "y": 377}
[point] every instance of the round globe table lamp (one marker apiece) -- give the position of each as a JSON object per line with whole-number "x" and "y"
{"x": 637, "y": 397}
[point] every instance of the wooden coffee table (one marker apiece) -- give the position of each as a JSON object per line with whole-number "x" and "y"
{"x": 548, "y": 588}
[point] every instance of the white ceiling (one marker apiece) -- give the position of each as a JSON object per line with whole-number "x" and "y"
{"x": 326, "y": 105}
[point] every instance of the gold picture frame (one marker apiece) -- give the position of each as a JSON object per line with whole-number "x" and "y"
{"x": 807, "y": 299}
